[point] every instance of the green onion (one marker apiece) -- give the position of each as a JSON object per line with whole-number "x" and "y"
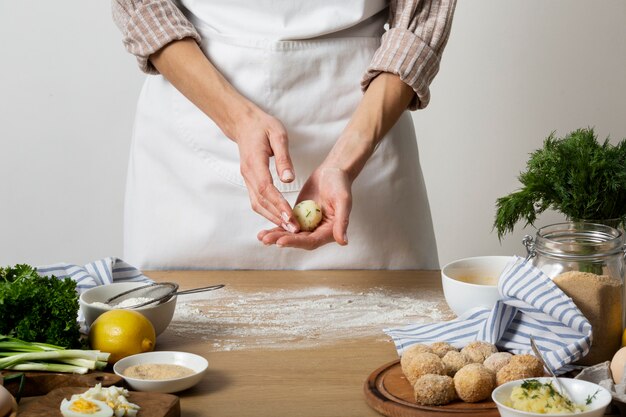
{"x": 18, "y": 355}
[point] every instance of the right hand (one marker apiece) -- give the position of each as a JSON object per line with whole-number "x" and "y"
{"x": 260, "y": 136}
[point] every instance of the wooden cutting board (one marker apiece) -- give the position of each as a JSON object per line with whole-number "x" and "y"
{"x": 152, "y": 404}
{"x": 41, "y": 383}
{"x": 388, "y": 392}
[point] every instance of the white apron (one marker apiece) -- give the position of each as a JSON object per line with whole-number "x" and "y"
{"x": 301, "y": 61}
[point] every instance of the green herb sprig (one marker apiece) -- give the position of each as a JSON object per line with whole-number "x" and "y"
{"x": 590, "y": 398}
{"x": 575, "y": 175}
{"x": 37, "y": 308}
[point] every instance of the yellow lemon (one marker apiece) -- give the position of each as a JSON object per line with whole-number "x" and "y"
{"x": 122, "y": 333}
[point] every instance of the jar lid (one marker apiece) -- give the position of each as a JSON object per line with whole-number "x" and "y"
{"x": 576, "y": 240}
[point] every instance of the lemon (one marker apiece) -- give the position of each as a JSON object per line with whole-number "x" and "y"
{"x": 122, "y": 333}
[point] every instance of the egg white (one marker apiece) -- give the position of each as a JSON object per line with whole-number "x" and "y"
{"x": 103, "y": 409}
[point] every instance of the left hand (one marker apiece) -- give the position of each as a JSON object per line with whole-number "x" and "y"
{"x": 331, "y": 188}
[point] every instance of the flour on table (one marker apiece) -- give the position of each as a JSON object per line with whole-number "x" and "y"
{"x": 232, "y": 320}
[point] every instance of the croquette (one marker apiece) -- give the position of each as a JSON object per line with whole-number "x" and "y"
{"x": 520, "y": 367}
{"x": 478, "y": 351}
{"x": 474, "y": 382}
{"x": 411, "y": 351}
{"x": 496, "y": 361}
{"x": 441, "y": 348}
{"x": 453, "y": 361}
{"x": 433, "y": 389}
{"x": 422, "y": 364}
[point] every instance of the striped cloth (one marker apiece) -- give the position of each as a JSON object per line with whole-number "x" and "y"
{"x": 411, "y": 48}
{"x": 101, "y": 272}
{"x": 531, "y": 304}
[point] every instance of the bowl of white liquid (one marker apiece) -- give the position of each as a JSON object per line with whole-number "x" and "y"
{"x": 472, "y": 282}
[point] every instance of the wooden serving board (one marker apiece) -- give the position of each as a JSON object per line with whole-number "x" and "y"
{"x": 388, "y": 392}
{"x": 152, "y": 404}
{"x": 41, "y": 383}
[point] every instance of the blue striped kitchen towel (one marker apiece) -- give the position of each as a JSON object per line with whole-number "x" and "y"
{"x": 100, "y": 272}
{"x": 531, "y": 304}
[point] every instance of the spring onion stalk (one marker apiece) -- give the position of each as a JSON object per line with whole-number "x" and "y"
{"x": 26, "y": 356}
{"x": 11, "y": 343}
{"x": 95, "y": 364}
{"x": 50, "y": 367}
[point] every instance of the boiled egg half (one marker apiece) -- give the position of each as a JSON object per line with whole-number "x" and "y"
{"x": 82, "y": 407}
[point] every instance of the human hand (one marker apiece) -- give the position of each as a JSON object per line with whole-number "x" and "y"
{"x": 257, "y": 134}
{"x": 260, "y": 136}
{"x": 331, "y": 188}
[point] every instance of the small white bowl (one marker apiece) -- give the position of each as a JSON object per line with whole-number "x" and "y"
{"x": 578, "y": 390}
{"x": 194, "y": 362}
{"x": 160, "y": 315}
{"x": 472, "y": 282}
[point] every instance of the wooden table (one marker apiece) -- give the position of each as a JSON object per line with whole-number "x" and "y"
{"x": 319, "y": 381}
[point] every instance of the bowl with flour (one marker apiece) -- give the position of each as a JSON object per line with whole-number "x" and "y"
{"x": 92, "y": 304}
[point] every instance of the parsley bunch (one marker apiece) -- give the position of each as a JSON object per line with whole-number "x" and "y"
{"x": 575, "y": 175}
{"x": 36, "y": 308}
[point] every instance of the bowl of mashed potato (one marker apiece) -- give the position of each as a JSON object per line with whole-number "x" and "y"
{"x": 538, "y": 397}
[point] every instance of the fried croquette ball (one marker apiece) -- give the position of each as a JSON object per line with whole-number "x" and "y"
{"x": 431, "y": 389}
{"x": 474, "y": 383}
{"x": 441, "y": 348}
{"x": 519, "y": 367}
{"x": 478, "y": 351}
{"x": 453, "y": 361}
{"x": 422, "y": 364}
{"x": 496, "y": 361}
{"x": 410, "y": 352}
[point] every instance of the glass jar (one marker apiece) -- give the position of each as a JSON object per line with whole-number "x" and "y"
{"x": 586, "y": 260}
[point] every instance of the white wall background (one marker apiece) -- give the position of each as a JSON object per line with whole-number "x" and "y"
{"x": 513, "y": 72}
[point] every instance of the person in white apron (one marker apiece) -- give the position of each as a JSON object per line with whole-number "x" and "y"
{"x": 296, "y": 65}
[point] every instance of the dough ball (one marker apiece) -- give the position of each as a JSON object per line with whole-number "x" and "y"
{"x": 478, "y": 351}
{"x": 474, "y": 383}
{"x": 520, "y": 367}
{"x": 441, "y": 348}
{"x": 433, "y": 389}
{"x": 308, "y": 214}
{"x": 422, "y": 364}
{"x": 496, "y": 361}
{"x": 410, "y": 352}
{"x": 454, "y": 361}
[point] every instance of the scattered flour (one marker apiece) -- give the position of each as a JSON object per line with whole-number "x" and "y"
{"x": 233, "y": 320}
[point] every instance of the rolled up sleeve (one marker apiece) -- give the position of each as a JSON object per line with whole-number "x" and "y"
{"x": 412, "y": 46}
{"x": 149, "y": 25}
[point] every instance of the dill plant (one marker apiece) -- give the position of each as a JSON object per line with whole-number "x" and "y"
{"x": 575, "y": 175}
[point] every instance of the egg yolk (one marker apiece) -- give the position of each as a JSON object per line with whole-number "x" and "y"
{"x": 83, "y": 406}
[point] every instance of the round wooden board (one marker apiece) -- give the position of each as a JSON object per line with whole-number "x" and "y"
{"x": 388, "y": 392}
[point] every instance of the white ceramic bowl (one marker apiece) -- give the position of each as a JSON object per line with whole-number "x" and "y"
{"x": 578, "y": 390}
{"x": 195, "y": 362}
{"x": 159, "y": 315}
{"x": 472, "y": 282}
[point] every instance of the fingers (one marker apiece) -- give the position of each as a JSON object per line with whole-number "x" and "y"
{"x": 282, "y": 159}
{"x": 340, "y": 224}
{"x": 264, "y": 197}
{"x": 303, "y": 240}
